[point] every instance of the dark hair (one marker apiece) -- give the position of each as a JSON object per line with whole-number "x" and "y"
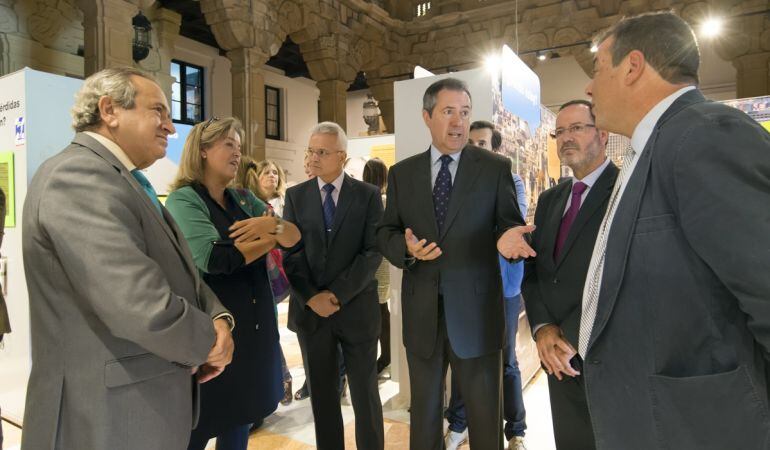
{"x": 581, "y": 102}
{"x": 666, "y": 40}
{"x": 450, "y": 84}
{"x": 497, "y": 138}
{"x": 376, "y": 173}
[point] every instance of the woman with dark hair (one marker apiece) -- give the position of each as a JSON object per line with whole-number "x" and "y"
{"x": 376, "y": 173}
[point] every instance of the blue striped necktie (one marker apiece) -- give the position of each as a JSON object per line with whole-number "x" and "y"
{"x": 148, "y": 189}
{"x": 329, "y": 207}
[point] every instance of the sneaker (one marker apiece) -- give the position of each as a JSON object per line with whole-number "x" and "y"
{"x": 453, "y": 439}
{"x": 517, "y": 443}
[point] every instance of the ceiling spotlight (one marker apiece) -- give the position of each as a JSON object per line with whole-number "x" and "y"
{"x": 712, "y": 27}
{"x": 492, "y": 63}
{"x": 541, "y": 56}
{"x": 594, "y": 48}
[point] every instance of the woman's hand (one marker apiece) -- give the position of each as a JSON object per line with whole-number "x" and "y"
{"x": 253, "y": 228}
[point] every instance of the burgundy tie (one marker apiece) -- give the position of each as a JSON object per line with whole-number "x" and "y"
{"x": 566, "y": 221}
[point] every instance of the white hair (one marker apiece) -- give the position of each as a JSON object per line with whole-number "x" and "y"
{"x": 334, "y": 129}
{"x": 114, "y": 83}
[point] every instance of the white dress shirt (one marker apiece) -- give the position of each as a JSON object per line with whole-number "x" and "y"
{"x": 114, "y": 148}
{"x": 589, "y": 180}
{"x": 435, "y": 164}
{"x": 337, "y": 186}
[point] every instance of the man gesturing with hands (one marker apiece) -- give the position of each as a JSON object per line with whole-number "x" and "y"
{"x": 450, "y": 210}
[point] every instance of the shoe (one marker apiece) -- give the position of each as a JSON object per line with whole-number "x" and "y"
{"x": 381, "y": 366}
{"x": 344, "y": 388}
{"x": 302, "y": 393}
{"x": 287, "y": 398}
{"x": 453, "y": 439}
{"x": 517, "y": 443}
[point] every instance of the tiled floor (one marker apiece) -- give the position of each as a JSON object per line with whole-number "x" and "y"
{"x": 291, "y": 427}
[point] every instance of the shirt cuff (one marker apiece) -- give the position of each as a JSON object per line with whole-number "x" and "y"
{"x": 537, "y": 327}
{"x": 228, "y": 317}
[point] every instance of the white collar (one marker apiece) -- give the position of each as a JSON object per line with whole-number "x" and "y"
{"x": 435, "y": 154}
{"x": 337, "y": 183}
{"x": 590, "y": 179}
{"x": 114, "y": 148}
{"x": 644, "y": 128}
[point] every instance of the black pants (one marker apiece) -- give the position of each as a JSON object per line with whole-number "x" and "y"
{"x": 569, "y": 412}
{"x": 480, "y": 382}
{"x": 323, "y": 375}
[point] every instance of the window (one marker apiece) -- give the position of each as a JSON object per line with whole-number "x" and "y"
{"x": 423, "y": 9}
{"x": 272, "y": 113}
{"x": 186, "y": 93}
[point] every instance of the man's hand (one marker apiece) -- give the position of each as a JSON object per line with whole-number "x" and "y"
{"x": 555, "y": 351}
{"x": 221, "y": 353}
{"x": 513, "y": 245}
{"x": 324, "y": 303}
{"x": 418, "y": 249}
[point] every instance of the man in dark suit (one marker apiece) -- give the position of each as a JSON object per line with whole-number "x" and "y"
{"x": 567, "y": 219}
{"x": 675, "y": 330}
{"x": 450, "y": 210}
{"x": 334, "y": 291}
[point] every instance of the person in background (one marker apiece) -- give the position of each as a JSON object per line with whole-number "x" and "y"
{"x": 229, "y": 235}
{"x": 484, "y": 135}
{"x": 267, "y": 181}
{"x": 334, "y": 290}
{"x": 376, "y": 173}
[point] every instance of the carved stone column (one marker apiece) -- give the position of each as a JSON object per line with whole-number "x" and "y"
{"x": 249, "y": 97}
{"x": 165, "y": 24}
{"x": 107, "y": 33}
{"x": 333, "y": 102}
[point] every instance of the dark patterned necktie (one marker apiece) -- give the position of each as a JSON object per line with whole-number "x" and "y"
{"x": 329, "y": 207}
{"x": 442, "y": 189}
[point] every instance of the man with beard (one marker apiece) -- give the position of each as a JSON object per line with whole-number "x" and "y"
{"x": 567, "y": 220}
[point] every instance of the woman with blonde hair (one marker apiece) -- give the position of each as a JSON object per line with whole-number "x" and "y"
{"x": 229, "y": 235}
{"x": 266, "y": 179}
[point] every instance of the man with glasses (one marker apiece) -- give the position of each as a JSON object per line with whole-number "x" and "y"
{"x": 567, "y": 221}
{"x": 334, "y": 297}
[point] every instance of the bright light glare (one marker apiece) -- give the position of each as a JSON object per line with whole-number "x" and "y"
{"x": 492, "y": 63}
{"x": 594, "y": 48}
{"x": 541, "y": 57}
{"x": 712, "y": 27}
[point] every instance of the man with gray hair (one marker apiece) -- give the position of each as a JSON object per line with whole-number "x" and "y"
{"x": 120, "y": 320}
{"x": 675, "y": 326}
{"x": 334, "y": 297}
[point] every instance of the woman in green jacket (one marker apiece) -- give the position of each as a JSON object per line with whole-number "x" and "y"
{"x": 229, "y": 234}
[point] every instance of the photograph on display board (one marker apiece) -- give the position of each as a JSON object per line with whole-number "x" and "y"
{"x": 758, "y": 108}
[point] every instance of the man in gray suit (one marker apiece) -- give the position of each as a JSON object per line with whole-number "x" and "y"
{"x": 119, "y": 318}
{"x": 675, "y": 325}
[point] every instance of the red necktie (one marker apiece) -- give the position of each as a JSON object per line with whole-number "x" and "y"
{"x": 566, "y": 221}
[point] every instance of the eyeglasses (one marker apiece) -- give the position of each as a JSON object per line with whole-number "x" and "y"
{"x": 572, "y": 129}
{"x": 208, "y": 122}
{"x": 321, "y": 152}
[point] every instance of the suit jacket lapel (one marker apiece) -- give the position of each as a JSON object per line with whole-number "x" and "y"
{"x": 96, "y": 147}
{"x": 600, "y": 191}
{"x": 315, "y": 212}
{"x": 624, "y": 222}
{"x": 553, "y": 221}
{"x": 467, "y": 171}
{"x": 423, "y": 193}
{"x": 347, "y": 193}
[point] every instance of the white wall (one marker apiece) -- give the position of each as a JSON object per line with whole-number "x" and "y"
{"x": 218, "y": 83}
{"x": 299, "y": 102}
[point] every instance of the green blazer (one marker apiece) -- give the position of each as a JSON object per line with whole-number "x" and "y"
{"x": 193, "y": 217}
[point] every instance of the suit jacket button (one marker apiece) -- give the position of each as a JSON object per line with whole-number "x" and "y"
{"x": 555, "y": 281}
{"x": 256, "y": 327}
{"x": 254, "y": 301}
